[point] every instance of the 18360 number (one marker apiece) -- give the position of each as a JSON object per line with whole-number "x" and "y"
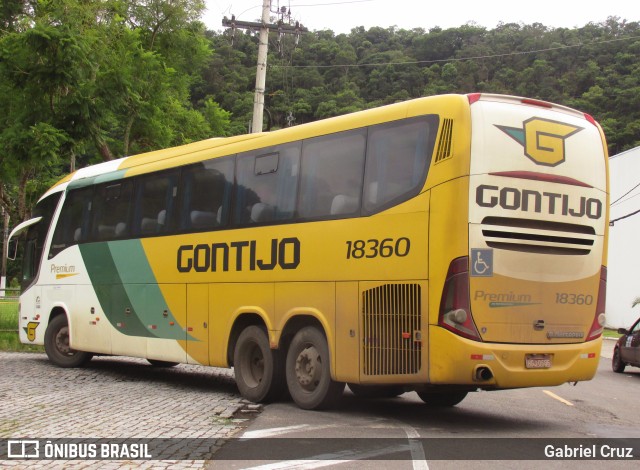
{"x": 374, "y": 248}
{"x": 573, "y": 299}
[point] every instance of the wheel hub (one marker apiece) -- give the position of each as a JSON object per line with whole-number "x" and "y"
{"x": 309, "y": 368}
{"x": 256, "y": 364}
{"x": 62, "y": 341}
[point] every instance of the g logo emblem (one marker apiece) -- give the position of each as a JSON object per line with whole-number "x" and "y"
{"x": 31, "y": 330}
{"x": 542, "y": 139}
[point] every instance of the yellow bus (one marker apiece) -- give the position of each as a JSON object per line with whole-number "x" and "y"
{"x": 441, "y": 245}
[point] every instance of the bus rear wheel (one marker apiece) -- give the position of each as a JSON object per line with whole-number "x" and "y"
{"x": 309, "y": 371}
{"x": 56, "y": 345}
{"x": 442, "y": 399}
{"x": 259, "y": 370}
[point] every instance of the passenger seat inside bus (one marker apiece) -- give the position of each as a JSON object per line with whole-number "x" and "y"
{"x": 153, "y": 224}
{"x": 343, "y": 204}
{"x": 262, "y": 212}
{"x": 204, "y": 219}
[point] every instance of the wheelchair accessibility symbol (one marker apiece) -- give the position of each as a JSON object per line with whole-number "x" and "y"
{"x": 481, "y": 262}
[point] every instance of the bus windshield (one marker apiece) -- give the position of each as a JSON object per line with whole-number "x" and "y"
{"x": 35, "y": 239}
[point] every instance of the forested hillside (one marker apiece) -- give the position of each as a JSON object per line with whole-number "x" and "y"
{"x": 87, "y": 81}
{"x": 594, "y": 68}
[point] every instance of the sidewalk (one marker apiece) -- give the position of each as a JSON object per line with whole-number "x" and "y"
{"x": 115, "y": 398}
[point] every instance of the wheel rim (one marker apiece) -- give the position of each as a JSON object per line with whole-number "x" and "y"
{"x": 62, "y": 342}
{"x": 254, "y": 365}
{"x": 309, "y": 368}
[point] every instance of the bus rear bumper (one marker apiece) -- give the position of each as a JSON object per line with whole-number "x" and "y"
{"x": 454, "y": 360}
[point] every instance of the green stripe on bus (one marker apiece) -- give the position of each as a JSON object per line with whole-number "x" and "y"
{"x": 127, "y": 291}
{"x": 142, "y": 289}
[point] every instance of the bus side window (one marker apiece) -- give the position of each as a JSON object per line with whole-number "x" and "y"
{"x": 398, "y": 158}
{"x": 332, "y": 173}
{"x": 73, "y": 223}
{"x": 111, "y": 209}
{"x": 267, "y": 184}
{"x": 206, "y": 194}
{"x": 154, "y": 202}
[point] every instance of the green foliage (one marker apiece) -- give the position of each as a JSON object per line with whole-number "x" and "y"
{"x": 593, "y": 68}
{"x": 86, "y": 81}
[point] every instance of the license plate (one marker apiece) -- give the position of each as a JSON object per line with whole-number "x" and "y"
{"x": 537, "y": 361}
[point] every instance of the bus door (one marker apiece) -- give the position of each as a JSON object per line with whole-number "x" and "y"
{"x": 30, "y": 304}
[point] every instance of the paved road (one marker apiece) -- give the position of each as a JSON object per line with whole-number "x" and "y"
{"x": 116, "y": 398}
{"x": 403, "y": 433}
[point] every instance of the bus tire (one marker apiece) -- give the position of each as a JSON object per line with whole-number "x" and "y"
{"x": 258, "y": 369}
{"x": 442, "y": 399}
{"x": 56, "y": 345}
{"x": 157, "y": 363}
{"x": 616, "y": 362}
{"x": 309, "y": 371}
{"x": 376, "y": 391}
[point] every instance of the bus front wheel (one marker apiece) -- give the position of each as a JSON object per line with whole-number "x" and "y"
{"x": 441, "y": 399}
{"x": 56, "y": 345}
{"x": 309, "y": 371}
{"x": 259, "y": 370}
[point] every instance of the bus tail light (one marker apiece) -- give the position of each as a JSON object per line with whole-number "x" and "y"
{"x": 455, "y": 308}
{"x": 473, "y": 97}
{"x": 598, "y": 322}
{"x": 591, "y": 119}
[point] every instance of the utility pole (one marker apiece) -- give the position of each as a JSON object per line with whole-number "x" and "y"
{"x": 263, "y": 46}
{"x": 5, "y": 251}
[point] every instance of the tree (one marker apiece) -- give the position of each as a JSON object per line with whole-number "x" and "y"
{"x": 85, "y": 81}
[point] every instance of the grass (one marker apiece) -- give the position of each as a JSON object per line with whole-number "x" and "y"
{"x": 609, "y": 333}
{"x": 8, "y": 314}
{"x": 9, "y": 340}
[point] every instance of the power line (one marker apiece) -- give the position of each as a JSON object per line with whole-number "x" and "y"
{"x": 611, "y": 222}
{"x": 618, "y": 200}
{"x": 460, "y": 59}
{"x": 332, "y": 3}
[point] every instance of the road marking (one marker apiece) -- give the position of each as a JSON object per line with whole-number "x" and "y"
{"x": 260, "y": 433}
{"x": 325, "y": 460}
{"x": 418, "y": 458}
{"x": 560, "y": 399}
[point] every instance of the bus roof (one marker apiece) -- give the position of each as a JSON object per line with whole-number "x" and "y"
{"x": 217, "y": 147}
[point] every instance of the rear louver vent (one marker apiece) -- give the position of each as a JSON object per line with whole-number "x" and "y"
{"x": 445, "y": 143}
{"x": 392, "y": 336}
{"x": 537, "y": 236}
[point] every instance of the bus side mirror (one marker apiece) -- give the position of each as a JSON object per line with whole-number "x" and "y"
{"x": 12, "y": 249}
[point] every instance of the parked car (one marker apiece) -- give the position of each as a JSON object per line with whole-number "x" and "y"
{"x": 627, "y": 350}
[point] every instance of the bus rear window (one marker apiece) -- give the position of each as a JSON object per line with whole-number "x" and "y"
{"x": 398, "y": 158}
